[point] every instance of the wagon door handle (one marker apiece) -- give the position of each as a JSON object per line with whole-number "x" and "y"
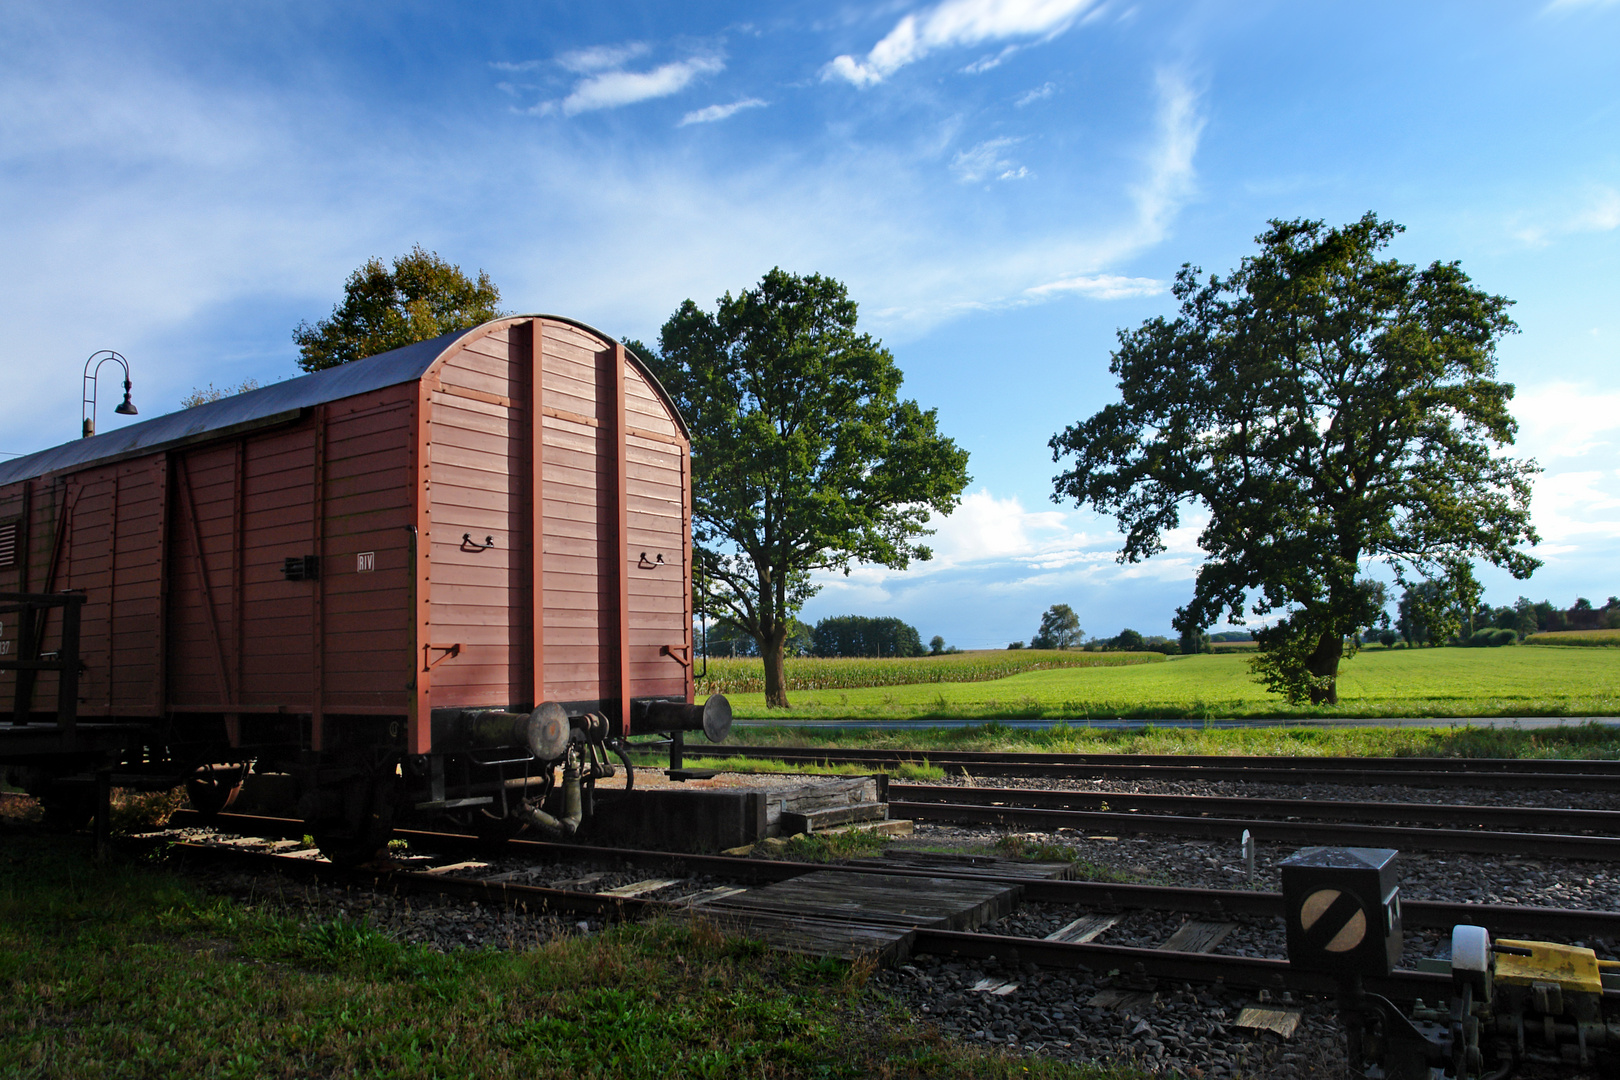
{"x": 428, "y": 663}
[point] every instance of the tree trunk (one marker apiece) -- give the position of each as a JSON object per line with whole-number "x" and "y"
{"x": 1323, "y": 664}
{"x": 770, "y": 651}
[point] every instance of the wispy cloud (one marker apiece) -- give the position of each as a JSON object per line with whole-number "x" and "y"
{"x": 719, "y": 112}
{"x": 611, "y": 89}
{"x": 1100, "y": 287}
{"x": 989, "y": 63}
{"x": 1170, "y": 180}
{"x": 601, "y": 57}
{"x": 1597, "y": 211}
{"x": 1040, "y": 93}
{"x": 955, "y": 24}
{"x": 986, "y": 160}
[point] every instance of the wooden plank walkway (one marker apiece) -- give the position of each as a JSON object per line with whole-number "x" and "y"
{"x": 879, "y": 899}
{"x": 832, "y": 913}
{"x": 844, "y": 939}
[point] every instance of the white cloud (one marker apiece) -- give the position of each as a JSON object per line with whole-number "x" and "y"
{"x": 611, "y": 89}
{"x": 985, "y": 160}
{"x": 956, "y": 23}
{"x": 1040, "y": 93}
{"x": 601, "y": 57}
{"x": 1565, "y": 5}
{"x": 1566, "y": 420}
{"x": 1100, "y": 287}
{"x": 1577, "y": 510}
{"x": 719, "y": 112}
{"x": 1170, "y": 180}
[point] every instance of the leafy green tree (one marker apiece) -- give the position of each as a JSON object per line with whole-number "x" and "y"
{"x": 420, "y": 297}
{"x": 936, "y": 645}
{"x": 723, "y": 639}
{"x": 1128, "y": 640}
{"x": 1327, "y": 408}
{"x": 1437, "y": 610}
{"x": 804, "y": 456}
{"x": 1060, "y": 629}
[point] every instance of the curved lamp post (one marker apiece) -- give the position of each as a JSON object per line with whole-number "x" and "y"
{"x": 126, "y": 408}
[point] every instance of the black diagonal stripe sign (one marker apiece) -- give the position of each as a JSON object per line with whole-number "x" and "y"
{"x": 1333, "y": 921}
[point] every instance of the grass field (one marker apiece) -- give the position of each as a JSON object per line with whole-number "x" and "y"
{"x": 1519, "y": 681}
{"x": 744, "y": 675}
{"x": 128, "y": 971}
{"x": 1571, "y": 740}
{"x": 1580, "y": 638}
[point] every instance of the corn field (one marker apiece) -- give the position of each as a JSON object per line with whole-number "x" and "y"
{"x": 746, "y": 675}
{"x": 1588, "y": 638}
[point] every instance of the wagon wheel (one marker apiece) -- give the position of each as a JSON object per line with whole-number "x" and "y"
{"x": 67, "y": 807}
{"x": 213, "y": 788}
{"x": 629, "y": 769}
{"x": 364, "y": 825}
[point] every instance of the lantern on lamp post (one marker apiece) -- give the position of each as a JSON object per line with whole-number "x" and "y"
{"x": 125, "y": 408}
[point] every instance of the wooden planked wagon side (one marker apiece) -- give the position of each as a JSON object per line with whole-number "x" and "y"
{"x": 347, "y": 566}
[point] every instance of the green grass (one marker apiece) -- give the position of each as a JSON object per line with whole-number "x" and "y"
{"x": 1580, "y": 638}
{"x": 127, "y": 971}
{"x": 1572, "y": 740}
{"x": 745, "y": 675}
{"x": 1376, "y": 683}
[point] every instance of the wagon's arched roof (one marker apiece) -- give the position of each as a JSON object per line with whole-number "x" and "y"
{"x": 269, "y": 404}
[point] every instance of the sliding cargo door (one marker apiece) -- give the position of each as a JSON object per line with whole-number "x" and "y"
{"x": 478, "y": 652}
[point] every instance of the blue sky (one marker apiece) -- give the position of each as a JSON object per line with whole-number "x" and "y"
{"x": 1002, "y": 184}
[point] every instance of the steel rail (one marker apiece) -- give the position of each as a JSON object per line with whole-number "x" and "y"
{"x": 1269, "y": 762}
{"x": 1544, "y": 845}
{"x": 1444, "y": 814}
{"x": 1037, "y": 765}
{"x": 1242, "y": 971}
{"x": 1573, "y": 924}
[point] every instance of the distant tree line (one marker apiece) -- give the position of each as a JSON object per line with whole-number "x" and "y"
{"x": 1430, "y": 613}
{"x": 861, "y": 635}
{"x": 839, "y": 635}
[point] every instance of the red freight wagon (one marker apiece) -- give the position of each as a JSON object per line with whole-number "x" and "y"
{"x": 419, "y": 581}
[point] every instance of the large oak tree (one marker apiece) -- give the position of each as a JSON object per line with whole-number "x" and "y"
{"x": 1328, "y": 408}
{"x": 804, "y": 456}
{"x": 420, "y": 297}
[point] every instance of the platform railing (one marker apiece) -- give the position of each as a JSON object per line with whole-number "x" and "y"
{"x": 32, "y": 610}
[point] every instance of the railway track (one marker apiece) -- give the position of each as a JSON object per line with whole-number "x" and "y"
{"x": 1150, "y": 963}
{"x": 1583, "y": 775}
{"x": 1445, "y": 827}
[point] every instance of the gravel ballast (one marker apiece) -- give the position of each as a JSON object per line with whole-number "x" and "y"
{"x": 1175, "y": 1029}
